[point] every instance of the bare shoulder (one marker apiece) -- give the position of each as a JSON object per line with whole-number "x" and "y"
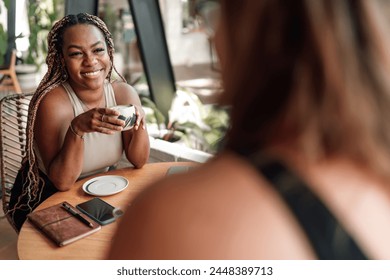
{"x": 223, "y": 210}
{"x": 125, "y": 93}
{"x": 55, "y": 104}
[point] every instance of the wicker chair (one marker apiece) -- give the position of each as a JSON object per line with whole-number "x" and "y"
{"x": 13, "y": 121}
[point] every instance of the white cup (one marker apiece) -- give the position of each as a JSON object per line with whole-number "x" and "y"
{"x": 127, "y": 114}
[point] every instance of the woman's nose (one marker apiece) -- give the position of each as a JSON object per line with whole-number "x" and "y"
{"x": 89, "y": 59}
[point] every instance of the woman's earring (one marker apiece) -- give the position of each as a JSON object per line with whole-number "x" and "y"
{"x": 64, "y": 75}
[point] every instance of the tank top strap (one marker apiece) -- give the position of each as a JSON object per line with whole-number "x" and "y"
{"x": 328, "y": 238}
{"x": 109, "y": 94}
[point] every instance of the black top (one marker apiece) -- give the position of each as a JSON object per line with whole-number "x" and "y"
{"x": 328, "y": 238}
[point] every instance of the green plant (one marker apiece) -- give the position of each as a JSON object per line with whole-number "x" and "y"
{"x": 41, "y": 16}
{"x": 3, "y": 37}
{"x": 110, "y": 17}
{"x": 202, "y": 127}
{"x": 3, "y": 44}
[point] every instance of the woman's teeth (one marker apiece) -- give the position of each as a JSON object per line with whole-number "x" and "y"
{"x": 91, "y": 73}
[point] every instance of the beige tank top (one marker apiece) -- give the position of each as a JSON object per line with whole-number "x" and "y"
{"x": 100, "y": 150}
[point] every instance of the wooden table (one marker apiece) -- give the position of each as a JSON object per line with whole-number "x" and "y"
{"x": 32, "y": 244}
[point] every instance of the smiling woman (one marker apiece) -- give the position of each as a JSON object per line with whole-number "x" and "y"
{"x": 70, "y": 116}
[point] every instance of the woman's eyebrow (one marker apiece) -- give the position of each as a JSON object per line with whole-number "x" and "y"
{"x": 79, "y": 47}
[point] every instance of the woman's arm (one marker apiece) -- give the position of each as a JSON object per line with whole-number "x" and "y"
{"x": 63, "y": 161}
{"x": 136, "y": 140}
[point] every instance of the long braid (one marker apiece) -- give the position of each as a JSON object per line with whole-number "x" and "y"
{"x": 54, "y": 77}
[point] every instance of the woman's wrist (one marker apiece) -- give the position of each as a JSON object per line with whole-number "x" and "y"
{"x": 78, "y": 134}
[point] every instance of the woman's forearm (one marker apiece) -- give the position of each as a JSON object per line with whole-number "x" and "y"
{"x": 66, "y": 167}
{"x": 138, "y": 149}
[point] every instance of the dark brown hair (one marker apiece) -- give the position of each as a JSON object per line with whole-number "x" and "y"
{"x": 309, "y": 72}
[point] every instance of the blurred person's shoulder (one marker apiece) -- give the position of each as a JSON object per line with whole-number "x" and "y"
{"x": 220, "y": 210}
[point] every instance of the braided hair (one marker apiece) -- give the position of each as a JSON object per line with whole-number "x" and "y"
{"x": 56, "y": 75}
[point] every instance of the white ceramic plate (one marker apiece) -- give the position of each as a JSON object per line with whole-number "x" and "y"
{"x": 105, "y": 185}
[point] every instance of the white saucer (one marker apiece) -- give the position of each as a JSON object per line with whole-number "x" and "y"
{"x": 105, "y": 185}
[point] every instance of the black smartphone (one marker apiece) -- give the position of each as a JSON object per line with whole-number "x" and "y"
{"x": 98, "y": 209}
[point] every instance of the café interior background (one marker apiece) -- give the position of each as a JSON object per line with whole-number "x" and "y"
{"x": 191, "y": 54}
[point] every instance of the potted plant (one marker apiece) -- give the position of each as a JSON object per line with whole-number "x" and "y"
{"x": 41, "y": 16}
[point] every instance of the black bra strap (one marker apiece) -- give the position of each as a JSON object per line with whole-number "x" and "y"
{"x": 328, "y": 238}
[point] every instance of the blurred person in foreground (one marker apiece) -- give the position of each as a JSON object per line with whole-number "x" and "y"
{"x": 72, "y": 132}
{"x": 305, "y": 170}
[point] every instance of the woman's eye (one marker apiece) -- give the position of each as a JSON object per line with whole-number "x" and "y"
{"x": 98, "y": 50}
{"x": 73, "y": 54}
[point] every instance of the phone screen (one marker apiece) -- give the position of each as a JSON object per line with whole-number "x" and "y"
{"x": 98, "y": 209}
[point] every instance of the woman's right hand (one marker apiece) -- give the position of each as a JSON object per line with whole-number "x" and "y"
{"x": 103, "y": 120}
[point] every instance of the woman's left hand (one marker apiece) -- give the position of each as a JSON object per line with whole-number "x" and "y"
{"x": 140, "y": 122}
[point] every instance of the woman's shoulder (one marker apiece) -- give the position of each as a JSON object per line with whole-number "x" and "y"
{"x": 53, "y": 102}
{"x": 124, "y": 93}
{"x": 222, "y": 209}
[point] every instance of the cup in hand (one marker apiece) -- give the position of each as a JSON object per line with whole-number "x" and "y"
{"x": 127, "y": 114}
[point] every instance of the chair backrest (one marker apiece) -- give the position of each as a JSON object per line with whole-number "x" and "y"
{"x": 9, "y": 80}
{"x": 13, "y": 122}
{"x": 9, "y": 63}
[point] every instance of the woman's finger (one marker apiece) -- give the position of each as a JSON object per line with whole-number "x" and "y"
{"x": 140, "y": 117}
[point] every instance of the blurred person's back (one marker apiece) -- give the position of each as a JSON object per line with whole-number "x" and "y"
{"x": 304, "y": 173}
